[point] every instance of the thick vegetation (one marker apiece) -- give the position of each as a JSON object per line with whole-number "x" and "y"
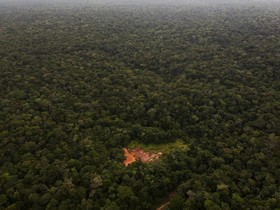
{"x": 77, "y": 85}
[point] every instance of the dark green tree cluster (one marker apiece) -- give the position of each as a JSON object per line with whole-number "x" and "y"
{"x": 78, "y": 84}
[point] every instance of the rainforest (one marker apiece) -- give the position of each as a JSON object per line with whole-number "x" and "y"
{"x": 193, "y": 87}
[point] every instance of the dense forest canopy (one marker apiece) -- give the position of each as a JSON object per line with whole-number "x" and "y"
{"x": 80, "y": 83}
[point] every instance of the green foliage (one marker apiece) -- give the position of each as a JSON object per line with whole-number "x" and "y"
{"x": 164, "y": 148}
{"x": 78, "y": 84}
{"x": 176, "y": 203}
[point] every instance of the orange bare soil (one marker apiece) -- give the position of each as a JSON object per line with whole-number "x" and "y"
{"x": 129, "y": 157}
{"x": 138, "y": 153}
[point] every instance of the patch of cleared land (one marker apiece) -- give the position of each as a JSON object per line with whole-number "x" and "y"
{"x": 129, "y": 157}
{"x": 150, "y": 152}
{"x": 156, "y": 148}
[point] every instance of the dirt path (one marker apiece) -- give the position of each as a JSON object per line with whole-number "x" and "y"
{"x": 163, "y": 206}
{"x": 129, "y": 157}
{"x": 166, "y": 201}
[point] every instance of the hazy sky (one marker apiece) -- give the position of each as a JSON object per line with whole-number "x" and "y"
{"x": 113, "y": 2}
{"x": 137, "y": 1}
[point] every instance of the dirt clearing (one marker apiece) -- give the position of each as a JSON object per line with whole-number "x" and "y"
{"x": 139, "y": 154}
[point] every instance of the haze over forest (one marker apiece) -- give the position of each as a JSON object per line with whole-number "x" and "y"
{"x": 136, "y": 2}
{"x": 139, "y": 105}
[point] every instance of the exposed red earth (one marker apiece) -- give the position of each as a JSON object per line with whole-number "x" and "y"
{"x": 139, "y": 154}
{"x": 129, "y": 157}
